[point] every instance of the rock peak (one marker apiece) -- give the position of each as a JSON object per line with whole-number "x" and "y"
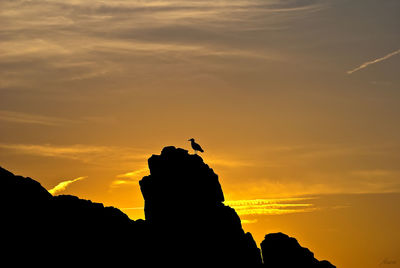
{"x": 281, "y": 250}
{"x": 177, "y": 177}
{"x": 184, "y": 205}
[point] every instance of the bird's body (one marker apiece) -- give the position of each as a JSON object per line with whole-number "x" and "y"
{"x": 196, "y": 147}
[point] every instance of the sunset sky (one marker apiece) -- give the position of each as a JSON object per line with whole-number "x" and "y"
{"x": 295, "y": 102}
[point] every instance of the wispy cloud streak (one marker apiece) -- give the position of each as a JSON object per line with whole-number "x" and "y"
{"x": 129, "y": 178}
{"x": 25, "y": 118}
{"x": 92, "y": 154}
{"x": 133, "y": 174}
{"x": 72, "y": 151}
{"x": 272, "y": 206}
{"x": 63, "y": 185}
{"x": 366, "y": 64}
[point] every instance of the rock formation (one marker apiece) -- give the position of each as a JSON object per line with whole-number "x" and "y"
{"x": 281, "y": 251}
{"x": 186, "y": 224}
{"x": 183, "y": 203}
{"x": 45, "y": 231}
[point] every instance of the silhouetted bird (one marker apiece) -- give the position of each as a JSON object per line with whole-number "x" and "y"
{"x": 196, "y": 147}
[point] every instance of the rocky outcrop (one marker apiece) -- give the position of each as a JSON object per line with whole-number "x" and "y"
{"x": 18, "y": 190}
{"x": 180, "y": 186}
{"x": 45, "y": 231}
{"x": 186, "y": 225}
{"x": 183, "y": 203}
{"x": 281, "y": 251}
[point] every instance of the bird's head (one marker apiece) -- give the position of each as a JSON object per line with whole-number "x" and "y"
{"x": 191, "y": 139}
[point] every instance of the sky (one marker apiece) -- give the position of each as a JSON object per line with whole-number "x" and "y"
{"x": 295, "y": 102}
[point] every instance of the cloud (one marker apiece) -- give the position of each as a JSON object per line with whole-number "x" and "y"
{"x": 129, "y": 178}
{"x": 117, "y": 183}
{"x": 119, "y": 34}
{"x": 366, "y": 64}
{"x": 37, "y": 119}
{"x": 63, "y": 185}
{"x": 72, "y": 151}
{"x": 133, "y": 174}
{"x": 271, "y": 206}
{"x": 92, "y": 154}
{"x": 25, "y": 118}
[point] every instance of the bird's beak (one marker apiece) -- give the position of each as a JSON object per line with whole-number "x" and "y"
{"x": 188, "y": 140}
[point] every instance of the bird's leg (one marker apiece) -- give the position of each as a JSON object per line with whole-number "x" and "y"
{"x": 195, "y": 151}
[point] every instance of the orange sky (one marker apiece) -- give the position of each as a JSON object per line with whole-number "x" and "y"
{"x": 296, "y": 103}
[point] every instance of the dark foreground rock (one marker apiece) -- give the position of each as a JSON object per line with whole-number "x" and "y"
{"x": 186, "y": 224}
{"x": 281, "y": 251}
{"x": 183, "y": 204}
{"x": 39, "y": 230}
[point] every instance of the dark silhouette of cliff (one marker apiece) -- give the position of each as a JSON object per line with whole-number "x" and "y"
{"x": 186, "y": 224}
{"x": 281, "y": 251}
{"x": 41, "y": 230}
{"x": 183, "y": 203}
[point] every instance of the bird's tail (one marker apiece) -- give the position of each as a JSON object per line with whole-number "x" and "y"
{"x": 201, "y": 150}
